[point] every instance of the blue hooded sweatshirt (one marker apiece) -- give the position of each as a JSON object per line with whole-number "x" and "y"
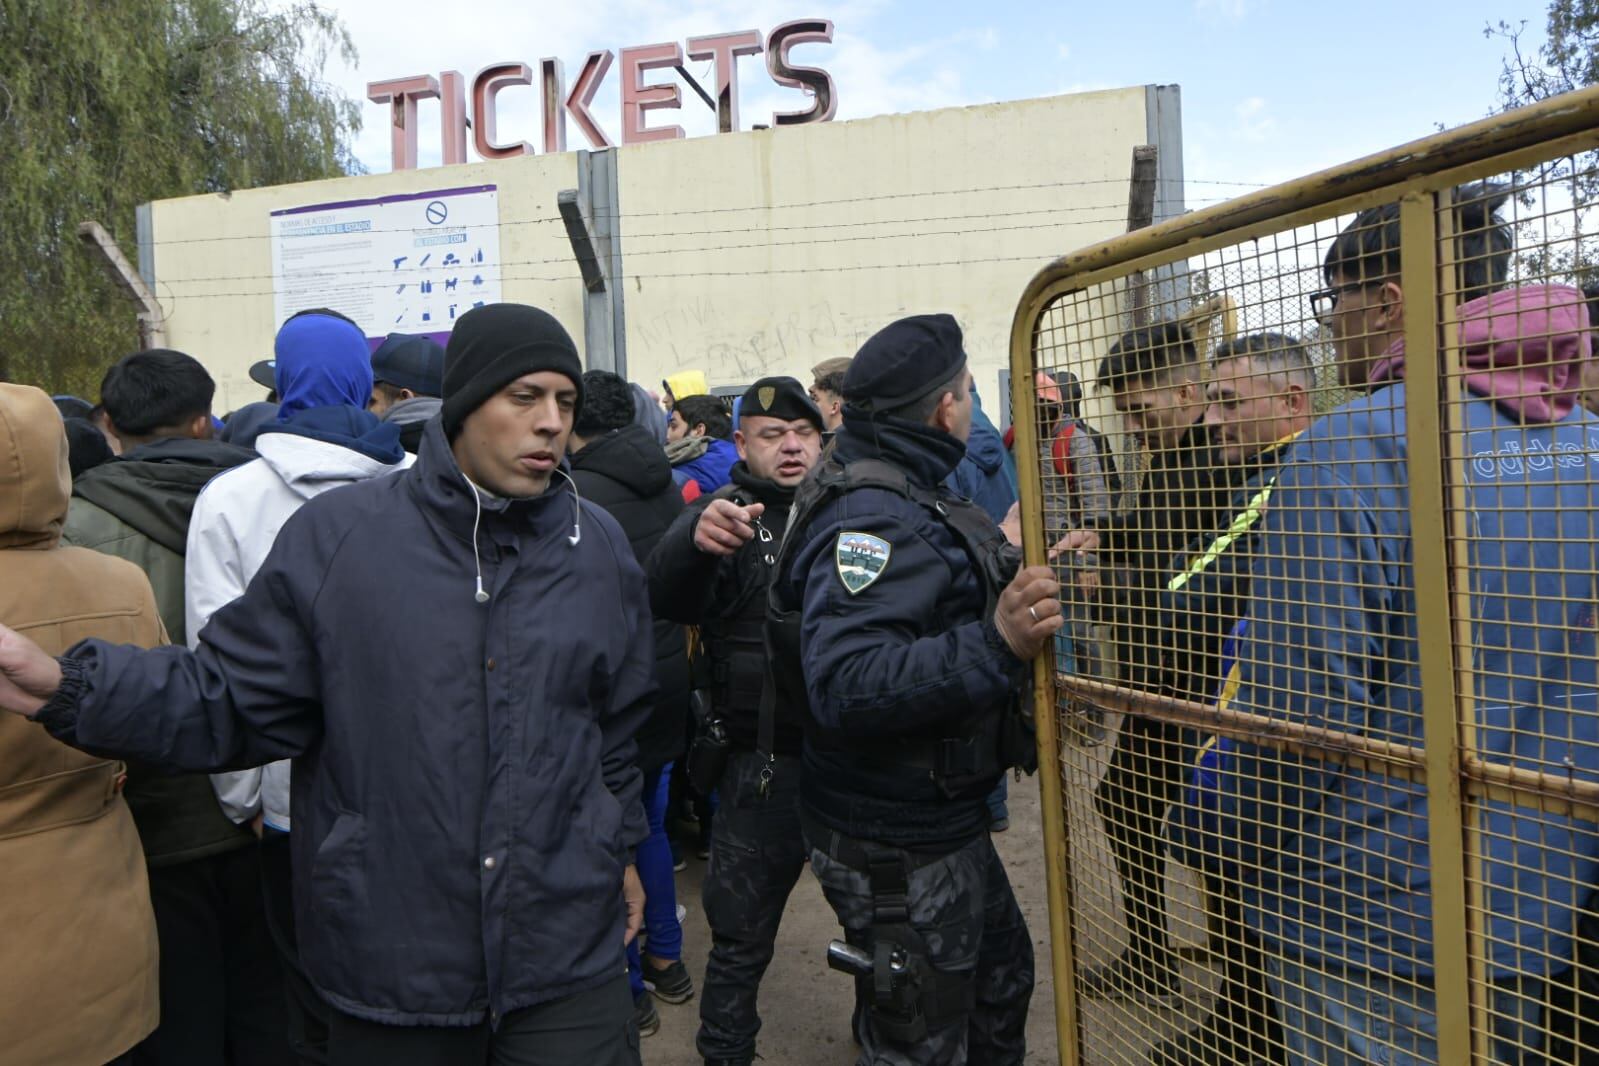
{"x": 983, "y": 476}
{"x": 322, "y": 361}
{"x": 348, "y": 427}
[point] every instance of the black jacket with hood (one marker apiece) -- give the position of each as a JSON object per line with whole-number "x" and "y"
{"x": 465, "y": 787}
{"x": 1185, "y": 494}
{"x": 626, "y": 473}
{"x": 138, "y": 508}
{"x": 725, "y": 595}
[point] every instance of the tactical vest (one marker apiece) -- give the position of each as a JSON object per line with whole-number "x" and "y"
{"x": 735, "y": 642}
{"x": 984, "y": 744}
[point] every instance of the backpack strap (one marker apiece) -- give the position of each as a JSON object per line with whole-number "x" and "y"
{"x": 1060, "y": 449}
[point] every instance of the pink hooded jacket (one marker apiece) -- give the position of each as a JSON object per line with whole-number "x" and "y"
{"x": 1523, "y": 348}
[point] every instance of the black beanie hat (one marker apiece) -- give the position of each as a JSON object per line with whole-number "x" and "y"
{"x": 779, "y": 397}
{"x": 492, "y": 346}
{"x": 903, "y": 362}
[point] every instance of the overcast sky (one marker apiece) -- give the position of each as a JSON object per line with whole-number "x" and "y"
{"x": 1271, "y": 89}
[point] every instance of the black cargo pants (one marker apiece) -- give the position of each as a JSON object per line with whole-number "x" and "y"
{"x": 757, "y": 854}
{"x": 962, "y": 906}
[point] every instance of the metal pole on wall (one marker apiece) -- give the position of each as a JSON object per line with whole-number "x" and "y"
{"x": 1141, "y": 214}
{"x": 152, "y": 326}
{"x": 592, "y": 216}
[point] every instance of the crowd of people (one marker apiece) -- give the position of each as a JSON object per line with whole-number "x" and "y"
{"x": 369, "y": 723}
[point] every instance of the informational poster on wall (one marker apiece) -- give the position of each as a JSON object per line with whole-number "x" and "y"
{"x": 397, "y": 264}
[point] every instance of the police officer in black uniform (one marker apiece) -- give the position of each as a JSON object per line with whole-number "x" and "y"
{"x": 713, "y": 569}
{"x": 899, "y": 617}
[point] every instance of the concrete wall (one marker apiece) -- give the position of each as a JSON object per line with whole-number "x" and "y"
{"x": 211, "y": 256}
{"x": 744, "y": 254}
{"x": 730, "y": 271}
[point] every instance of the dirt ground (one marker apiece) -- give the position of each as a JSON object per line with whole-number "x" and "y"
{"x": 805, "y": 1007}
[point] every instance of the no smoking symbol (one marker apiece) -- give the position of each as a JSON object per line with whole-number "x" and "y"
{"x": 437, "y": 212}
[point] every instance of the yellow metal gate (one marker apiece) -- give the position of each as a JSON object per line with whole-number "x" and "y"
{"x": 1322, "y": 723}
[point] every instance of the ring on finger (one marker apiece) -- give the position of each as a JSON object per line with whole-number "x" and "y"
{"x": 1032, "y": 609}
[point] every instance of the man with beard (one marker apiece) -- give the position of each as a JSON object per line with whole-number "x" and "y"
{"x": 713, "y": 569}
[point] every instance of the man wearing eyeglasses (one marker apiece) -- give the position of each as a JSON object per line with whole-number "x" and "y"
{"x": 1364, "y": 318}
{"x": 1336, "y": 858}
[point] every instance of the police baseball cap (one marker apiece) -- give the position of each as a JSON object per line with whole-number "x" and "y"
{"x": 410, "y": 362}
{"x": 779, "y": 397}
{"x": 904, "y": 362}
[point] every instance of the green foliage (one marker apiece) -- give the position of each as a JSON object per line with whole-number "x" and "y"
{"x": 1567, "y": 60}
{"x": 107, "y": 104}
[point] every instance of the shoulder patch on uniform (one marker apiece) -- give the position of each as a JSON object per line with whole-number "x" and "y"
{"x": 861, "y": 560}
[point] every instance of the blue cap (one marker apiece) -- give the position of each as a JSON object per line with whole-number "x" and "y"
{"x": 410, "y": 362}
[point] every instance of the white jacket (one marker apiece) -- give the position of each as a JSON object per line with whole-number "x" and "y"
{"x": 236, "y": 519}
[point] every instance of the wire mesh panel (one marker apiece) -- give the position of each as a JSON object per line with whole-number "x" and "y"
{"x": 1320, "y": 480}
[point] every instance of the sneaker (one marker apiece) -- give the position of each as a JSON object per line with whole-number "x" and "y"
{"x": 679, "y": 864}
{"x": 999, "y": 825}
{"x": 1134, "y": 977}
{"x": 645, "y": 1015}
{"x": 703, "y": 850}
{"x": 671, "y": 985}
{"x": 682, "y": 913}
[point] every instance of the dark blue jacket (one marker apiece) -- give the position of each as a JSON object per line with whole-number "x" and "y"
{"x": 1338, "y": 856}
{"x": 464, "y": 791}
{"x": 984, "y": 476}
{"x": 911, "y": 657}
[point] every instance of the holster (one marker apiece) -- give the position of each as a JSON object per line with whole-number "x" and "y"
{"x": 907, "y": 994}
{"x": 708, "y": 755}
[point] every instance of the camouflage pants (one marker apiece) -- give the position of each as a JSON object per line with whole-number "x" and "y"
{"x": 757, "y": 854}
{"x": 963, "y": 907}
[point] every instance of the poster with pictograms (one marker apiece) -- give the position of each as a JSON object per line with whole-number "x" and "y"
{"x": 411, "y": 263}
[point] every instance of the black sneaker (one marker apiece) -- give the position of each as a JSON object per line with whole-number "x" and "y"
{"x": 1134, "y": 977}
{"x": 645, "y": 1016}
{"x": 671, "y": 985}
{"x": 999, "y": 825}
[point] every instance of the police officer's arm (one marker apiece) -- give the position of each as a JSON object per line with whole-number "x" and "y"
{"x": 881, "y": 662}
{"x": 248, "y": 694}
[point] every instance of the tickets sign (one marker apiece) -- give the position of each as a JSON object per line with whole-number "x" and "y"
{"x": 639, "y": 98}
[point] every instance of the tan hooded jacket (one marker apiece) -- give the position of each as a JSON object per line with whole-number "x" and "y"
{"x": 78, "y": 982}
